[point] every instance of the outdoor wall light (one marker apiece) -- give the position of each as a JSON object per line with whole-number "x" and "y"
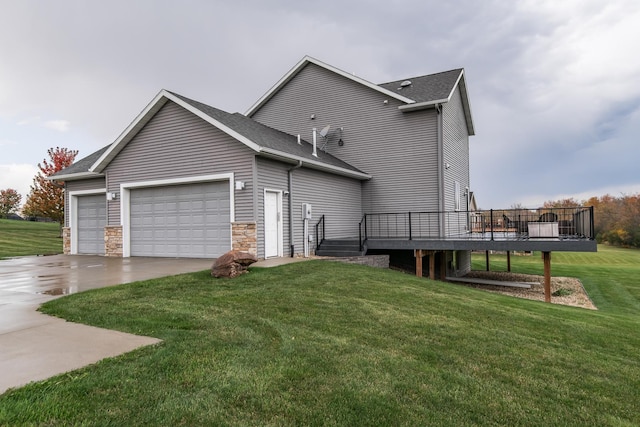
{"x": 112, "y": 196}
{"x": 239, "y": 185}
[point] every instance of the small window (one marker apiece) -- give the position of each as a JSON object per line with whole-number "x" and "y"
{"x": 456, "y": 196}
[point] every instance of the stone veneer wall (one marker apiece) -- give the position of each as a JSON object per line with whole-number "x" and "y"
{"x": 66, "y": 240}
{"x": 244, "y": 237}
{"x": 113, "y": 240}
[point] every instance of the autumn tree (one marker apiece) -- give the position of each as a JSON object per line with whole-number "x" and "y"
{"x": 9, "y": 202}
{"x": 562, "y": 203}
{"x": 46, "y": 198}
{"x": 616, "y": 219}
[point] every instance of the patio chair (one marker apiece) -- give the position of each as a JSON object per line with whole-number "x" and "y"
{"x": 520, "y": 226}
{"x": 548, "y": 217}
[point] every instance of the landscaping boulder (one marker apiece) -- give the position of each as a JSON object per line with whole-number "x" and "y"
{"x": 232, "y": 264}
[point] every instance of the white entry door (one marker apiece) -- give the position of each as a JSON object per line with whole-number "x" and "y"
{"x": 272, "y": 224}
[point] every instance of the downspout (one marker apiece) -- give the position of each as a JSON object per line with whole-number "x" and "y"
{"x": 290, "y": 187}
{"x": 441, "y": 189}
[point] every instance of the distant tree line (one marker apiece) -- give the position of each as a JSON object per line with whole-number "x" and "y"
{"x": 617, "y": 219}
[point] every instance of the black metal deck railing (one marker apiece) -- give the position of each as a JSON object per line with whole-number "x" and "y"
{"x": 495, "y": 224}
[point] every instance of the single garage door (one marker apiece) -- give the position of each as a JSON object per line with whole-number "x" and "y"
{"x": 185, "y": 221}
{"x": 92, "y": 217}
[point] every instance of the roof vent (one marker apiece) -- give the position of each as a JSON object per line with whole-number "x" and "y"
{"x": 405, "y": 83}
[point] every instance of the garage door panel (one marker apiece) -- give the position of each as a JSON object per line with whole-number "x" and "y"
{"x": 92, "y": 218}
{"x": 187, "y": 220}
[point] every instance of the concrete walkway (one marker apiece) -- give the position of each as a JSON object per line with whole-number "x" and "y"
{"x": 34, "y": 346}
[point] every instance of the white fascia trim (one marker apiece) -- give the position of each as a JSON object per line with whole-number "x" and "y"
{"x": 143, "y": 118}
{"x": 306, "y": 60}
{"x": 75, "y": 176}
{"x": 423, "y": 105}
{"x": 315, "y": 164}
{"x": 125, "y": 200}
{"x": 136, "y": 125}
{"x": 453, "y": 89}
{"x": 73, "y": 214}
{"x": 466, "y": 104}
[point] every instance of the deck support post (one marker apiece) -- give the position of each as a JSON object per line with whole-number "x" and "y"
{"x": 547, "y": 276}
{"x": 487, "y": 259}
{"x": 432, "y": 265}
{"x": 418, "y": 253}
{"x": 509, "y": 261}
{"x": 443, "y": 266}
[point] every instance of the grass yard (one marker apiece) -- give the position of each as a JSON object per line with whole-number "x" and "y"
{"x": 22, "y": 238}
{"x": 611, "y": 276}
{"x": 321, "y": 343}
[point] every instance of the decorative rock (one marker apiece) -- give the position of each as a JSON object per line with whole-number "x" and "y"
{"x": 232, "y": 264}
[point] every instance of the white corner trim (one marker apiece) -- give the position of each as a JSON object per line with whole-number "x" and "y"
{"x": 73, "y": 214}
{"x": 125, "y": 200}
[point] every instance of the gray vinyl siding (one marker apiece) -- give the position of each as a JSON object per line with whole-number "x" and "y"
{"x": 272, "y": 175}
{"x": 335, "y": 197}
{"x": 398, "y": 149}
{"x": 176, "y": 144}
{"x": 81, "y": 185}
{"x": 456, "y": 154}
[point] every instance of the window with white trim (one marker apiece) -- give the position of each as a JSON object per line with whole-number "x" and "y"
{"x": 456, "y": 195}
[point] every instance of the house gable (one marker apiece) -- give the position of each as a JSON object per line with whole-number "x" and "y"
{"x": 257, "y": 137}
{"x": 309, "y": 60}
{"x": 368, "y": 131}
{"x": 176, "y": 145}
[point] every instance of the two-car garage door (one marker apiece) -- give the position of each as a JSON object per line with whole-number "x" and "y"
{"x": 186, "y": 220}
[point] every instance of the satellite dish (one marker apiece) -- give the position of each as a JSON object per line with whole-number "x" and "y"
{"x": 325, "y": 131}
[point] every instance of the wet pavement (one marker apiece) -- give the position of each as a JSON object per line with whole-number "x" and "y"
{"x": 34, "y": 346}
{"x": 67, "y": 274}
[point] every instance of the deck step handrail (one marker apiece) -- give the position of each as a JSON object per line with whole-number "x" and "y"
{"x": 362, "y": 236}
{"x": 320, "y": 232}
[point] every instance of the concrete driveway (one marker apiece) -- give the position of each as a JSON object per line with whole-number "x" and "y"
{"x": 34, "y": 346}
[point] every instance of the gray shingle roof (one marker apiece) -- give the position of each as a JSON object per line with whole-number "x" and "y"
{"x": 82, "y": 165}
{"x": 259, "y": 134}
{"x": 267, "y": 137}
{"x": 432, "y": 87}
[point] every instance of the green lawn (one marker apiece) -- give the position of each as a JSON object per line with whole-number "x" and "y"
{"x": 611, "y": 276}
{"x": 321, "y": 343}
{"x": 22, "y": 238}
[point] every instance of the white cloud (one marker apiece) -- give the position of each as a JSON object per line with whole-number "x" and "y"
{"x": 19, "y": 177}
{"x": 59, "y": 125}
{"x": 28, "y": 121}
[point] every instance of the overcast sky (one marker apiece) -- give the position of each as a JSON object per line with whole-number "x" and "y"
{"x": 554, "y": 85}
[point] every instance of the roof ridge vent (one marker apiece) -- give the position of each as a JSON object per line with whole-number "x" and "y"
{"x": 405, "y": 83}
